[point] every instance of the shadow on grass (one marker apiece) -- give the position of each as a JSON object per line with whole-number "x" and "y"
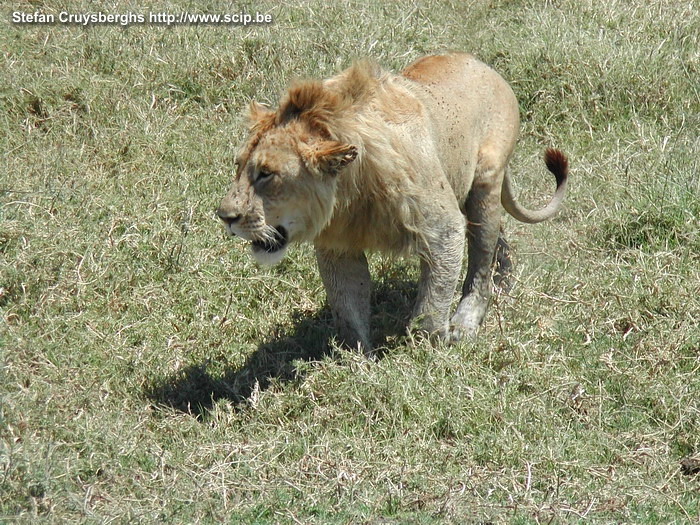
{"x": 194, "y": 390}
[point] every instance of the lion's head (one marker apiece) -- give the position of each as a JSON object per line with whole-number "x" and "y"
{"x": 286, "y": 177}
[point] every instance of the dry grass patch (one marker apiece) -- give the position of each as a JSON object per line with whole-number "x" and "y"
{"x": 152, "y": 373}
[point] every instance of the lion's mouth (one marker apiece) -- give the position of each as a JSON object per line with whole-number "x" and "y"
{"x": 273, "y": 244}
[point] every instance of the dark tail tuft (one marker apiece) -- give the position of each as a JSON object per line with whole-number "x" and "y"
{"x": 558, "y": 164}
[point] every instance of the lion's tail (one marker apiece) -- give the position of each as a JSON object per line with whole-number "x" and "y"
{"x": 558, "y": 164}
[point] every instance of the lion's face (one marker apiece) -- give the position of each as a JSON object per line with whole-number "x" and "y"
{"x": 283, "y": 190}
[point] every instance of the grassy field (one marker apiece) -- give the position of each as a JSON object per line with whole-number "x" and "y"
{"x": 152, "y": 373}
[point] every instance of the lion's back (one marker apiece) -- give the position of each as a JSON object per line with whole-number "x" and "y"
{"x": 470, "y": 105}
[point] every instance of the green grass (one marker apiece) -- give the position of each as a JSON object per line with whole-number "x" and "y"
{"x": 151, "y": 372}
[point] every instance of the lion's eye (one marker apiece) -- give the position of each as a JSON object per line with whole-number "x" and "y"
{"x": 264, "y": 175}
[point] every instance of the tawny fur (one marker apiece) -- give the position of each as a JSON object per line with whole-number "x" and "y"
{"x": 373, "y": 161}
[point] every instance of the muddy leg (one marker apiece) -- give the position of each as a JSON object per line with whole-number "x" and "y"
{"x": 484, "y": 217}
{"x": 441, "y": 263}
{"x": 502, "y": 263}
{"x": 347, "y": 282}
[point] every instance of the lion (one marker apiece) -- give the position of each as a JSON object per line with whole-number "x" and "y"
{"x": 372, "y": 161}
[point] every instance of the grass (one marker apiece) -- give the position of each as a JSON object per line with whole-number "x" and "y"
{"x": 151, "y": 372}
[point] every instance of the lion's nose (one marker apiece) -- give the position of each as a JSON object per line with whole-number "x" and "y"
{"x": 228, "y": 217}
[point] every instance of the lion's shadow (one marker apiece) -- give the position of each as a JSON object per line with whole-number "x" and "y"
{"x": 195, "y": 390}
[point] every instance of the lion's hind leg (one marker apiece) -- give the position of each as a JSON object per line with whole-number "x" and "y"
{"x": 484, "y": 218}
{"x": 502, "y": 264}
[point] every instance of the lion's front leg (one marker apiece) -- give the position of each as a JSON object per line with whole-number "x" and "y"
{"x": 441, "y": 263}
{"x": 347, "y": 281}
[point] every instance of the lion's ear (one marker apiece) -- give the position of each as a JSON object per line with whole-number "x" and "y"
{"x": 257, "y": 113}
{"x": 329, "y": 156}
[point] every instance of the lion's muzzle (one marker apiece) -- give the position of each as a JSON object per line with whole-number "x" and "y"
{"x": 229, "y": 218}
{"x": 268, "y": 243}
{"x": 272, "y": 243}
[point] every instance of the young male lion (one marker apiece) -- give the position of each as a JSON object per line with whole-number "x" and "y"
{"x": 373, "y": 161}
